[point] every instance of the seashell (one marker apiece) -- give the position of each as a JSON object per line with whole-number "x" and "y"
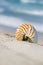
{"x": 26, "y": 32}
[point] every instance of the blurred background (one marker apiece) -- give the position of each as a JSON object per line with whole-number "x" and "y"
{"x": 15, "y": 12}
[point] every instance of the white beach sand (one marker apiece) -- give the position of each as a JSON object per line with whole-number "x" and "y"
{"x": 14, "y": 52}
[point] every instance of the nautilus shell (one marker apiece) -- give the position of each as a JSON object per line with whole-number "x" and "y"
{"x": 26, "y": 32}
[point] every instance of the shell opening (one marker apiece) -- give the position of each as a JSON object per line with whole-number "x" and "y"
{"x": 26, "y": 38}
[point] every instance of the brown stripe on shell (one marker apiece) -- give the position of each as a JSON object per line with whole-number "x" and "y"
{"x": 24, "y": 29}
{"x": 30, "y": 27}
{"x": 19, "y": 36}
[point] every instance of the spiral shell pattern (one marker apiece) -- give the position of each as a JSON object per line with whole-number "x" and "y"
{"x": 26, "y": 32}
